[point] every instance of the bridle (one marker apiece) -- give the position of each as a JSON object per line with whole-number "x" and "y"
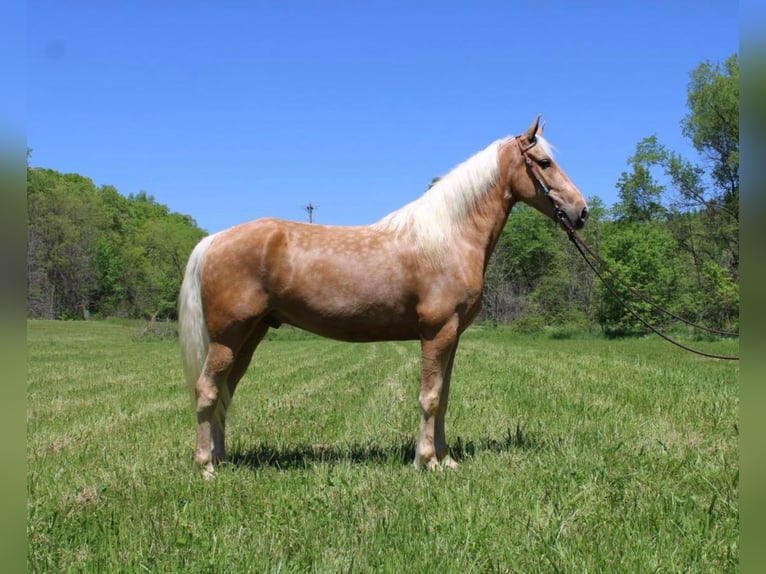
{"x": 557, "y": 211}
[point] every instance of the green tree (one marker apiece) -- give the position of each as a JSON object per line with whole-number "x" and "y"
{"x": 157, "y": 258}
{"x": 92, "y": 250}
{"x": 581, "y": 295}
{"x": 524, "y": 267}
{"x": 712, "y": 125}
{"x": 640, "y": 193}
{"x": 643, "y": 255}
{"x": 697, "y": 202}
{"x": 536, "y": 278}
{"x": 64, "y": 218}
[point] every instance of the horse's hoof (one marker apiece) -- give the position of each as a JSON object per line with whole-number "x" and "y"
{"x": 431, "y": 464}
{"x": 208, "y": 473}
{"x": 449, "y": 463}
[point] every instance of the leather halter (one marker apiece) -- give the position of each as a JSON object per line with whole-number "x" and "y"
{"x": 531, "y": 165}
{"x": 557, "y": 211}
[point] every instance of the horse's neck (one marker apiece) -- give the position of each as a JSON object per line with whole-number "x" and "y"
{"x": 490, "y": 201}
{"x": 488, "y": 221}
{"x": 492, "y": 212}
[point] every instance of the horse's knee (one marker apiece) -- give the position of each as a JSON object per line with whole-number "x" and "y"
{"x": 429, "y": 402}
{"x": 206, "y": 393}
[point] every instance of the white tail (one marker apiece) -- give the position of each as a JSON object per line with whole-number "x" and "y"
{"x": 192, "y": 330}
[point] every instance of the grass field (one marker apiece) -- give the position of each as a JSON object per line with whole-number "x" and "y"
{"x": 576, "y": 456}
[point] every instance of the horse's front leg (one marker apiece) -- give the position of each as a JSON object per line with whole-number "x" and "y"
{"x": 438, "y": 355}
{"x": 440, "y": 439}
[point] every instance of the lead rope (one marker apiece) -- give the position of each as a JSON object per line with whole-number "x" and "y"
{"x": 574, "y": 238}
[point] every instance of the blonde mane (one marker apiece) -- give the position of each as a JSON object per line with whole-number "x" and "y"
{"x": 433, "y": 218}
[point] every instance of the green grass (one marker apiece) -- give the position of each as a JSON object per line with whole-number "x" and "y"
{"x": 576, "y": 455}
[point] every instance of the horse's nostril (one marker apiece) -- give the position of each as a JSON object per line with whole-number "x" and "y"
{"x": 584, "y": 214}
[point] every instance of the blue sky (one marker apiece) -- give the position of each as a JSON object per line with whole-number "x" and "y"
{"x": 228, "y": 111}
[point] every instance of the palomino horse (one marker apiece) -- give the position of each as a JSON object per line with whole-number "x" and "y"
{"x": 415, "y": 274}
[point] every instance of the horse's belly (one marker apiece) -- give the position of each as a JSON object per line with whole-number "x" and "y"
{"x": 362, "y": 322}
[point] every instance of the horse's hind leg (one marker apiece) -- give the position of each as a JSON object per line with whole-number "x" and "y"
{"x": 210, "y": 389}
{"x": 226, "y": 394}
{"x": 242, "y": 361}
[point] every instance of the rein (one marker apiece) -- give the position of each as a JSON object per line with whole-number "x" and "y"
{"x": 582, "y": 247}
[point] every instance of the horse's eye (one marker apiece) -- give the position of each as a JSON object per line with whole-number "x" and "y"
{"x": 544, "y": 163}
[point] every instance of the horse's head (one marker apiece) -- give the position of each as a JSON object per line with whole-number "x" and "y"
{"x": 537, "y": 179}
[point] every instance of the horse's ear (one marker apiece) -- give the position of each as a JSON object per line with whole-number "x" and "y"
{"x": 531, "y": 132}
{"x": 542, "y": 127}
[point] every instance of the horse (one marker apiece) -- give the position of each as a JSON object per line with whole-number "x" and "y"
{"x": 416, "y": 274}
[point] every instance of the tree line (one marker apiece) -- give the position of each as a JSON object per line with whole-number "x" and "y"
{"x": 94, "y": 252}
{"x": 673, "y": 234}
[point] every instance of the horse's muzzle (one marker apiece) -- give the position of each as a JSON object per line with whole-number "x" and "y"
{"x": 580, "y": 221}
{"x": 571, "y": 223}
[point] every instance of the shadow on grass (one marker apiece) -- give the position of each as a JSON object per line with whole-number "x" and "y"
{"x": 303, "y": 456}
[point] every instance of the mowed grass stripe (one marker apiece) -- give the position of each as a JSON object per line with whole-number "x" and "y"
{"x": 331, "y": 405}
{"x": 542, "y": 377}
{"x": 390, "y": 410}
{"x": 308, "y": 400}
{"x": 576, "y": 456}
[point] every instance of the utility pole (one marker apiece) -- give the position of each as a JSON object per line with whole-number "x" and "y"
{"x": 310, "y": 210}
